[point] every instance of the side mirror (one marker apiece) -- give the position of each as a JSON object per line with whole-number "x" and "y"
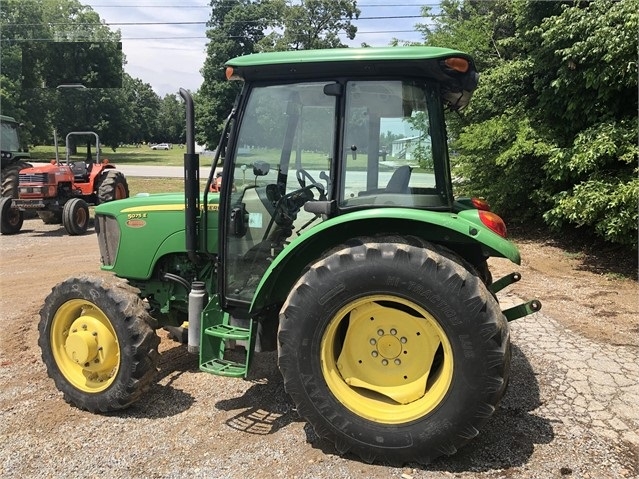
{"x": 261, "y": 168}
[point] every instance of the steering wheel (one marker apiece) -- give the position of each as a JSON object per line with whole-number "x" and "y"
{"x": 302, "y": 175}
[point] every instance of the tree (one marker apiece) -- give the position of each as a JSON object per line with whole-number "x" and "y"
{"x": 60, "y": 42}
{"x": 145, "y": 108}
{"x": 237, "y": 27}
{"x": 313, "y": 24}
{"x": 551, "y": 132}
{"x": 171, "y": 117}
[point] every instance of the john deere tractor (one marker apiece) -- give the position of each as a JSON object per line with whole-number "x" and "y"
{"x": 12, "y": 160}
{"x": 335, "y": 239}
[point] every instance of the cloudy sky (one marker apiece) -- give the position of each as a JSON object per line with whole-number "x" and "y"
{"x": 164, "y": 40}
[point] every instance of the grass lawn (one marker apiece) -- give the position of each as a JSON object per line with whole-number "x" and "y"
{"x": 126, "y": 155}
{"x": 139, "y": 184}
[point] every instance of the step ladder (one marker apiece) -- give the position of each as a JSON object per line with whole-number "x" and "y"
{"x": 218, "y": 338}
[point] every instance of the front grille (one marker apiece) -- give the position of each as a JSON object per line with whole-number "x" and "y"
{"x": 33, "y": 178}
{"x": 108, "y": 232}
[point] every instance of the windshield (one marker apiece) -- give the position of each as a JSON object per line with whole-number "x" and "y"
{"x": 9, "y": 137}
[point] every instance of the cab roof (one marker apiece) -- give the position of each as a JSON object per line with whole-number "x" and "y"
{"x": 441, "y": 65}
{"x": 345, "y": 55}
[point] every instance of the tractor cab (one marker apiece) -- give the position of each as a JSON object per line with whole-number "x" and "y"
{"x": 338, "y": 142}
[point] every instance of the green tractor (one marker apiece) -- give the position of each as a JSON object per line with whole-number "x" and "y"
{"x": 12, "y": 159}
{"x": 335, "y": 240}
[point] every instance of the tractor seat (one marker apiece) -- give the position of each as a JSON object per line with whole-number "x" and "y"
{"x": 80, "y": 170}
{"x": 399, "y": 180}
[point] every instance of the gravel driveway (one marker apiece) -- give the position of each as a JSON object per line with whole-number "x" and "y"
{"x": 570, "y": 411}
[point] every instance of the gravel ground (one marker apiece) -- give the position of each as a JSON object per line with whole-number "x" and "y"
{"x": 570, "y": 411}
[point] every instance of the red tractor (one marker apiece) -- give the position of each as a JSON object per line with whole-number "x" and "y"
{"x": 62, "y": 192}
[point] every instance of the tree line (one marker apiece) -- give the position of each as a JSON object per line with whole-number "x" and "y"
{"x": 550, "y": 136}
{"x": 120, "y": 108}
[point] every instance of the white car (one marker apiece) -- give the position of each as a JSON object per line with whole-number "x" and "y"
{"x": 161, "y": 146}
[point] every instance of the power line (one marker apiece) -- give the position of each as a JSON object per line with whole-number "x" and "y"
{"x": 129, "y": 24}
{"x": 389, "y": 5}
{"x": 379, "y": 32}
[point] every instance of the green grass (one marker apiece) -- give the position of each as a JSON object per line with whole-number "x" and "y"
{"x": 139, "y": 184}
{"x": 126, "y": 155}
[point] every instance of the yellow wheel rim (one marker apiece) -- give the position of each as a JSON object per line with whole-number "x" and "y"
{"x": 85, "y": 346}
{"x": 386, "y": 359}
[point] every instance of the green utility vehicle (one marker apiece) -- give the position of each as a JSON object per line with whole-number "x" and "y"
{"x": 12, "y": 160}
{"x": 335, "y": 240}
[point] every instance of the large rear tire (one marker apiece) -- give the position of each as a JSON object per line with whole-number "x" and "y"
{"x": 393, "y": 350}
{"x": 11, "y": 219}
{"x": 97, "y": 343}
{"x": 10, "y": 178}
{"x": 75, "y": 216}
{"x": 113, "y": 186}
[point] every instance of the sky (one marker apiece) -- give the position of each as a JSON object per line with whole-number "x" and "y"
{"x": 164, "y": 41}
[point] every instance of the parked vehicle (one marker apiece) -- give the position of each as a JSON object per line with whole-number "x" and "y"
{"x": 161, "y": 146}
{"x": 12, "y": 159}
{"x": 61, "y": 192}
{"x": 371, "y": 281}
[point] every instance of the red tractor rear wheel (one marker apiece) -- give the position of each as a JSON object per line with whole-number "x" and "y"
{"x": 112, "y": 186}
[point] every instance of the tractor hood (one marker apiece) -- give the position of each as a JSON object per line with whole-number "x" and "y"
{"x": 136, "y": 232}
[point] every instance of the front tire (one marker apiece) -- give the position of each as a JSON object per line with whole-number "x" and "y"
{"x": 393, "y": 351}
{"x": 97, "y": 343}
{"x": 75, "y": 216}
{"x": 11, "y": 219}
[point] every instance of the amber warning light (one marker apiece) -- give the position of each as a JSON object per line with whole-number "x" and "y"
{"x": 457, "y": 64}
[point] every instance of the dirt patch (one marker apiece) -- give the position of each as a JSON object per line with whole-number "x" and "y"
{"x": 588, "y": 288}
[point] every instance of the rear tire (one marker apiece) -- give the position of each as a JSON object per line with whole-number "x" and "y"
{"x": 113, "y": 186}
{"x": 75, "y": 216}
{"x": 11, "y": 219}
{"x": 10, "y": 178}
{"x": 98, "y": 343}
{"x": 393, "y": 351}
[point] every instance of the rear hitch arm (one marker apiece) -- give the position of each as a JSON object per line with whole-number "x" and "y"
{"x": 522, "y": 310}
{"x": 501, "y": 283}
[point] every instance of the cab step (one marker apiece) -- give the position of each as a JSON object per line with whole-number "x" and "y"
{"x": 220, "y": 336}
{"x": 226, "y": 331}
{"x": 223, "y": 367}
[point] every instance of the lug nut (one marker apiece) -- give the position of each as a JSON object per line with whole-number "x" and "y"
{"x": 393, "y": 332}
{"x": 373, "y": 342}
{"x": 380, "y": 332}
{"x": 385, "y": 362}
{"x": 374, "y": 354}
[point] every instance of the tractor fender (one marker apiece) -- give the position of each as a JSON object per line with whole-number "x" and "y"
{"x": 443, "y": 228}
